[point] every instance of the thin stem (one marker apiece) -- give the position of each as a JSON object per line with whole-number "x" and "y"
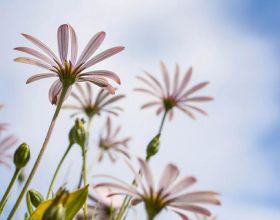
{"x": 57, "y": 170}
{"x": 8, "y": 190}
{"x": 85, "y": 177}
{"x": 162, "y": 121}
{"x": 41, "y": 153}
{"x": 127, "y": 199}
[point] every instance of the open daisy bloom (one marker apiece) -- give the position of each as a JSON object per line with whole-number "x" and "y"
{"x": 173, "y": 94}
{"x": 90, "y": 107}
{"x": 68, "y": 68}
{"x": 5, "y": 146}
{"x": 168, "y": 195}
{"x": 111, "y": 144}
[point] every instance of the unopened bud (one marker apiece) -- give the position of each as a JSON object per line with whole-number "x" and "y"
{"x": 153, "y": 146}
{"x": 21, "y": 156}
{"x": 78, "y": 134}
{"x": 36, "y": 198}
{"x": 55, "y": 212}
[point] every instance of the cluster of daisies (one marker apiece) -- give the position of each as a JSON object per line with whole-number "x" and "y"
{"x": 108, "y": 198}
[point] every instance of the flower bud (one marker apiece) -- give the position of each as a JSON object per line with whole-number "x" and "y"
{"x": 55, "y": 212}
{"x": 36, "y": 198}
{"x": 153, "y": 146}
{"x": 21, "y": 156}
{"x": 77, "y": 134}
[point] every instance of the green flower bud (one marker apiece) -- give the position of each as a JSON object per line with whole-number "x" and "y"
{"x": 55, "y": 212}
{"x": 21, "y": 156}
{"x": 153, "y": 147}
{"x": 78, "y": 134}
{"x": 36, "y": 198}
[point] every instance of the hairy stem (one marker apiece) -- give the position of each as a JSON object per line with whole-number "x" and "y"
{"x": 57, "y": 170}
{"x": 8, "y": 190}
{"x": 41, "y": 153}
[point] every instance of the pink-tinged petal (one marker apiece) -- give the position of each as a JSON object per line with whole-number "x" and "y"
{"x": 40, "y": 76}
{"x": 150, "y": 104}
{"x": 206, "y": 197}
{"x": 63, "y": 42}
{"x": 75, "y": 96}
{"x": 99, "y": 81}
{"x": 182, "y": 184}
{"x": 125, "y": 189}
{"x": 170, "y": 114}
{"x": 72, "y": 107}
{"x": 110, "y": 89}
{"x": 185, "y": 81}
{"x": 8, "y": 142}
{"x": 196, "y": 109}
{"x": 108, "y": 126}
{"x": 165, "y": 77}
{"x": 91, "y": 47}
{"x": 104, "y": 73}
{"x": 176, "y": 80}
{"x": 135, "y": 202}
{"x": 194, "y": 209}
{"x": 191, "y": 115}
{"x": 89, "y": 92}
{"x": 102, "y": 56}
{"x": 74, "y": 44}
{"x": 36, "y": 54}
{"x": 82, "y": 92}
{"x": 147, "y": 91}
{"x": 156, "y": 83}
{"x": 54, "y": 91}
{"x": 114, "y": 99}
{"x": 160, "y": 109}
{"x": 199, "y": 99}
{"x": 41, "y": 45}
{"x": 145, "y": 168}
{"x": 153, "y": 87}
{"x": 182, "y": 215}
{"x": 195, "y": 89}
{"x": 33, "y": 61}
{"x": 169, "y": 175}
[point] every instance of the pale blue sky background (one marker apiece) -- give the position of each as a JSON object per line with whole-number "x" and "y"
{"x": 234, "y": 44}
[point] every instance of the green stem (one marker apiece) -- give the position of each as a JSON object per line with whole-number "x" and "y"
{"x": 57, "y": 170}
{"x": 162, "y": 121}
{"x": 41, "y": 153}
{"x": 85, "y": 177}
{"x": 8, "y": 190}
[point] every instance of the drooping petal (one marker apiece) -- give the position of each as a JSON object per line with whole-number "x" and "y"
{"x": 91, "y": 47}
{"x": 206, "y": 197}
{"x": 147, "y": 91}
{"x": 42, "y": 46}
{"x": 63, "y": 42}
{"x": 104, "y": 73}
{"x": 168, "y": 176}
{"x": 150, "y": 104}
{"x": 102, "y": 82}
{"x": 54, "y": 91}
{"x": 33, "y": 61}
{"x": 191, "y": 115}
{"x": 112, "y": 100}
{"x": 40, "y": 76}
{"x": 36, "y": 54}
{"x": 182, "y": 215}
{"x": 194, "y": 209}
{"x": 103, "y": 55}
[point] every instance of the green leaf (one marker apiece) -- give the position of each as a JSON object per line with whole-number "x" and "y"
{"x": 73, "y": 204}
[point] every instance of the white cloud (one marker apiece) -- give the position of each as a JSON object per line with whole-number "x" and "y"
{"x": 221, "y": 149}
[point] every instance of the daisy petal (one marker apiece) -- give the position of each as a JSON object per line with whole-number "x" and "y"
{"x": 63, "y": 42}
{"x": 168, "y": 176}
{"x": 183, "y": 184}
{"x": 104, "y": 73}
{"x": 42, "y": 46}
{"x": 102, "y": 56}
{"x": 32, "y": 61}
{"x": 74, "y": 44}
{"x": 91, "y": 47}
{"x": 54, "y": 91}
{"x": 40, "y": 76}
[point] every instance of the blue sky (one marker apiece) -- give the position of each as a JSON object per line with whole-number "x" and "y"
{"x": 234, "y": 44}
